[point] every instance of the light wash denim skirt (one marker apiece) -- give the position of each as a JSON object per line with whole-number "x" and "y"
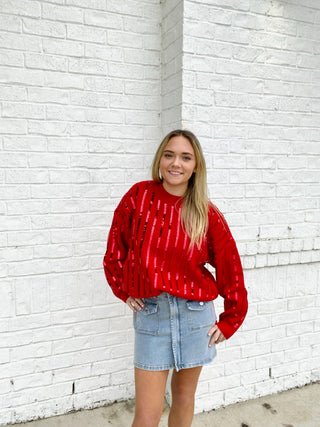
{"x": 171, "y": 332}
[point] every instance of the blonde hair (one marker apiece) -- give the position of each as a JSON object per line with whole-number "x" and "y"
{"x": 194, "y": 210}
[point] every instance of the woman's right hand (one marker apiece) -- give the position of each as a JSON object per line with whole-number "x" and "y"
{"x": 135, "y": 304}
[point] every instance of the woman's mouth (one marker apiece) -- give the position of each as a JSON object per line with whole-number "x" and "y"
{"x": 176, "y": 173}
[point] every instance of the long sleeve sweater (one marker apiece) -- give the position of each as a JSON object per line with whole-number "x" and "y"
{"x": 148, "y": 253}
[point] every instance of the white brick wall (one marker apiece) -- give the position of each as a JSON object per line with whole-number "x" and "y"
{"x": 86, "y": 91}
{"x": 172, "y": 56}
{"x": 252, "y": 94}
{"x": 80, "y": 118}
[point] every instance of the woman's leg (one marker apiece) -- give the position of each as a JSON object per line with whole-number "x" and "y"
{"x": 150, "y": 390}
{"x": 183, "y": 387}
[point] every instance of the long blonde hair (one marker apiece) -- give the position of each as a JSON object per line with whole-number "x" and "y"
{"x": 194, "y": 210}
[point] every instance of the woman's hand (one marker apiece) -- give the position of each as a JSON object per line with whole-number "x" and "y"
{"x": 216, "y": 336}
{"x": 135, "y": 304}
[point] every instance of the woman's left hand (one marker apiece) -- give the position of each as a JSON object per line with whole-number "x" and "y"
{"x": 216, "y": 336}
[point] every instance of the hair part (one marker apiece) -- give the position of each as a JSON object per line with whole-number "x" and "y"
{"x": 195, "y": 205}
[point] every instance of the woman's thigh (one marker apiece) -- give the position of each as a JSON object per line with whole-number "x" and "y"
{"x": 184, "y": 383}
{"x": 150, "y": 390}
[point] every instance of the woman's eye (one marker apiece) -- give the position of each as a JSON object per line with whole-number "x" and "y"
{"x": 169, "y": 156}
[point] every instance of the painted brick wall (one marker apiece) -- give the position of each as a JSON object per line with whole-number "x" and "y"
{"x": 80, "y": 118}
{"x": 86, "y": 91}
{"x": 251, "y": 88}
{"x": 172, "y": 56}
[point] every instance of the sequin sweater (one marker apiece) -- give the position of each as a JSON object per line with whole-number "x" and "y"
{"x": 148, "y": 253}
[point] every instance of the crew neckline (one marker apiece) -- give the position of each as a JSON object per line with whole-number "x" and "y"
{"x": 166, "y": 194}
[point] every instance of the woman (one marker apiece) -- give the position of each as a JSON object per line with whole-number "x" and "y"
{"x": 163, "y": 232}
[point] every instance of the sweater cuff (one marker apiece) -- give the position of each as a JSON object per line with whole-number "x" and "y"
{"x": 226, "y": 329}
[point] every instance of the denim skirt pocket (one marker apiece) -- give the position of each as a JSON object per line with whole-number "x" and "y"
{"x": 200, "y": 314}
{"x": 146, "y": 320}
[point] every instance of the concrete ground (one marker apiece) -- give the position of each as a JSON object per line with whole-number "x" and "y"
{"x": 299, "y": 407}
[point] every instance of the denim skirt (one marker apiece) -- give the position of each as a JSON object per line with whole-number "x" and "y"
{"x": 171, "y": 332}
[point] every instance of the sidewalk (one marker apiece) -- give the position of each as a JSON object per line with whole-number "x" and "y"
{"x": 298, "y": 407}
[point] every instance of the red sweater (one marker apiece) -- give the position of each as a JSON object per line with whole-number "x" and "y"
{"x": 148, "y": 253}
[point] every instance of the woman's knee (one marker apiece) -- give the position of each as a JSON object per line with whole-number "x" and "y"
{"x": 182, "y": 395}
{"x": 183, "y": 400}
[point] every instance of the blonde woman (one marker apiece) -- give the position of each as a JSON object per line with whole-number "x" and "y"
{"x": 163, "y": 233}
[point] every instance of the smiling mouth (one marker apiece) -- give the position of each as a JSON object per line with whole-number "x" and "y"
{"x": 175, "y": 173}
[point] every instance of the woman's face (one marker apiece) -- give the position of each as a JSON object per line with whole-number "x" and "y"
{"x": 177, "y": 164}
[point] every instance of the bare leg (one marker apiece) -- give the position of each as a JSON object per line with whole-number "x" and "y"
{"x": 150, "y": 389}
{"x": 183, "y": 387}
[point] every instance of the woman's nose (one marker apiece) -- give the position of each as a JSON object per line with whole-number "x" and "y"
{"x": 176, "y": 161}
